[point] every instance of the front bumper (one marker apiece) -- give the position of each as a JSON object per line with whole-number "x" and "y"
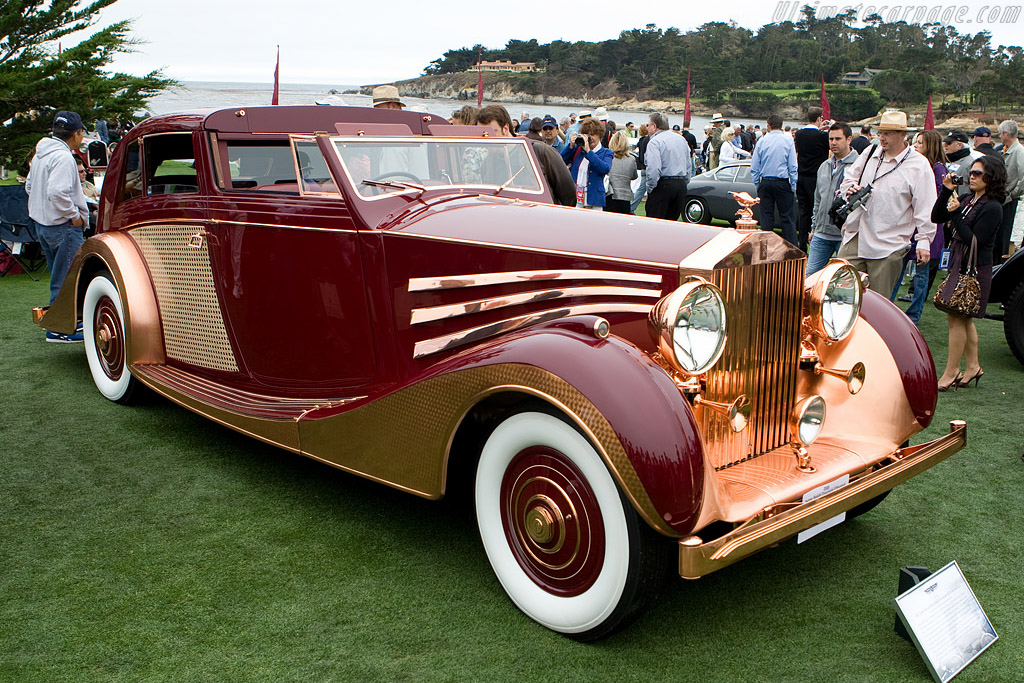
{"x": 697, "y": 558}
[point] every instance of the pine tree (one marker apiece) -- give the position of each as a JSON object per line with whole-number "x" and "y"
{"x": 38, "y": 78}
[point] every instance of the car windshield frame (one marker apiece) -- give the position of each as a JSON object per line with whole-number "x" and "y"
{"x": 406, "y": 186}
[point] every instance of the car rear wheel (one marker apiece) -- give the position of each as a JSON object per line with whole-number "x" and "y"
{"x": 106, "y": 346}
{"x": 695, "y": 211}
{"x": 1013, "y": 322}
{"x": 567, "y": 547}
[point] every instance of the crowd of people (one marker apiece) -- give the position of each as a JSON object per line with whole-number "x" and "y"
{"x": 891, "y": 201}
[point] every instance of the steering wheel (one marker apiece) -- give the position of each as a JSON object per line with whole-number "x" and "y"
{"x": 397, "y": 174}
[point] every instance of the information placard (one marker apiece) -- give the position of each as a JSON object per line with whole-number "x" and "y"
{"x": 946, "y": 622}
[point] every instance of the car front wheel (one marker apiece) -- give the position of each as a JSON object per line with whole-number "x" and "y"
{"x": 1013, "y": 322}
{"x": 695, "y": 211}
{"x": 106, "y": 346}
{"x": 567, "y": 547}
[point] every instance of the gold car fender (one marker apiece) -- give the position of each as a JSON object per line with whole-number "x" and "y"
{"x": 116, "y": 253}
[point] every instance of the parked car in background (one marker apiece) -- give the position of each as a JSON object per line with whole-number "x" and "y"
{"x": 398, "y": 298}
{"x": 1008, "y": 291}
{"x": 707, "y": 194}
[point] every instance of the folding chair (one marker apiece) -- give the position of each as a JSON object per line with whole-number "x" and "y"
{"x": 17, "y": 232}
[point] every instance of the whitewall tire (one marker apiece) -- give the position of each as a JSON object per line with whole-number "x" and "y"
{"x": 565, "y": 545}
{"x": 106, "y": 345}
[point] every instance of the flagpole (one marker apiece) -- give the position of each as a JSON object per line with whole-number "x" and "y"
{"x": 686, "y": 107}
{"x": 277, "y": 69}
{"x": 479, "y": 81}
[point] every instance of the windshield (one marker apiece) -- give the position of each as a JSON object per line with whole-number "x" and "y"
{"x": 377, "y": 167}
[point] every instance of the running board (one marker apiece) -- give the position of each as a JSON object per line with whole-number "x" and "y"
{"x": 273, "y": 419}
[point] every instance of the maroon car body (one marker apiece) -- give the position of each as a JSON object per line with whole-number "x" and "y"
{"x": 399, "y": 298}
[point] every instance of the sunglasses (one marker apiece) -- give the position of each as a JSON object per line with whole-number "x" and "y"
{"x": 977, "y": 174}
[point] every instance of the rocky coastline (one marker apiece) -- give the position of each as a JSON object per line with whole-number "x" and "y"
{"x": 539, "y": 89}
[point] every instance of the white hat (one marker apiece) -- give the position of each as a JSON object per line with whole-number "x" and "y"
{"x": 601, "y": 113}
{"x": 893, "y": 120}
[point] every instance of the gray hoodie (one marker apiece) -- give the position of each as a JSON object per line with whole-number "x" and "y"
{"x": 830, "y": 177}
{"x": 54, "y": 188}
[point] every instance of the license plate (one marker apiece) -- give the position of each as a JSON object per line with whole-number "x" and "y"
{"x": 828, "y": 523}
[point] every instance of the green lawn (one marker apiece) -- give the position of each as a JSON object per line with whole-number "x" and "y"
{"x": 147, "y": 543}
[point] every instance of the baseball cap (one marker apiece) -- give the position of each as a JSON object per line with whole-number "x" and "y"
{"x": 549, "y": 122}
{"x": 67, "y": 121}
{"x": 956, "y": 136}
{"x": 675, "y": 127}
{"x": 524, "y": 127}
{"x": 982, "y": 131}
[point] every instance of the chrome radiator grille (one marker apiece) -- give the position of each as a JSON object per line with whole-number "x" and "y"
{"x": 760, "y": 359}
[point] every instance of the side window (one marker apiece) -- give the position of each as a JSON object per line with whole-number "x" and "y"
{"x": 726, "y": 175}
{"x": 743, "y": 175}
{"x": 132, "y": 178}
{"x": 313, "y": 172}
{"x": 263, "y": 166}
{"x": 170, "y": 164}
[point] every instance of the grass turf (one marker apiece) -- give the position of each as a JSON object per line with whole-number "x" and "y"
{"x": 147, "y": 543}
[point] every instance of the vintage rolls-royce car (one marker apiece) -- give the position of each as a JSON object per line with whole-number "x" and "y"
{"x": 398, "y": 297}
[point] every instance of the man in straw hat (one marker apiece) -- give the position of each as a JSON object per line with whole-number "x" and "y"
{"x": 386, "y": 97}
{"x": 877, "y": 235}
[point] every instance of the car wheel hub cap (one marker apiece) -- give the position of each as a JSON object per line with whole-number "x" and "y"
{"x": 109, "y": 344}
{"x": 552, "y": 521}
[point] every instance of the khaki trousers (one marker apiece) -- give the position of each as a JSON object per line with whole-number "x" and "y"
{"x": 883, "y": 272}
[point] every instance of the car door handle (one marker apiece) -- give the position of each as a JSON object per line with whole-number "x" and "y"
{"x": 198, "y": 240}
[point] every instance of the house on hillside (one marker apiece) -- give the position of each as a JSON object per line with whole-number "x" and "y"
{"x": 861, "y": 79}
{"x": 516, "y": 67}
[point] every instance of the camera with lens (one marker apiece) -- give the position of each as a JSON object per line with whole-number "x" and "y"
{"x": 842, "y": 208}
{"x": 958, "y": 179}
{"x": 579, "y": 141}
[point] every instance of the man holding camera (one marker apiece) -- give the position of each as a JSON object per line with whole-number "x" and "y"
{"x": 877, "y": 233}
{"x": 825, "y": 236}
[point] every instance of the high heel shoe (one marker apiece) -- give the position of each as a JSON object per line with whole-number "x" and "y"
{"x": 976, "y": 377}
{"x": 954, "y": 383}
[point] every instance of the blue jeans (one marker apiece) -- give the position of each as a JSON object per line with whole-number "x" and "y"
{"x": 60, "y": 243}
{"x": 819, "y": 251}
{"x": 640, "y": 191}
{"x": 921, "y": 282}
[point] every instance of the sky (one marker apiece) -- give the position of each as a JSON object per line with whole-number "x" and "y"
{"x": 344, "y": 43}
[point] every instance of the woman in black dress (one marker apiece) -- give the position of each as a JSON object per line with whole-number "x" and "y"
{"x": 975, "y": 213}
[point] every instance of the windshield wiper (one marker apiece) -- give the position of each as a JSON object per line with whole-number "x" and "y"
{"x": 396, "y": 184}
{"x": 508, "y": 182}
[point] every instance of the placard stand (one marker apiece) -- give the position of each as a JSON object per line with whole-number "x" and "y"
{"x": 945, "y": 622}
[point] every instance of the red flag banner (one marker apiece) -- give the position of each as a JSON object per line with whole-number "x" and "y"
{"x": 277, "y": 69}
{"x": 686, "y": 107}
{"x": 929, "y": 117}
{"x": 826, "y": 111}
{"x": 479, "y": 82}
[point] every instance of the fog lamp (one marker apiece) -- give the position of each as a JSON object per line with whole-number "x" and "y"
{"x": 807, "y": 419}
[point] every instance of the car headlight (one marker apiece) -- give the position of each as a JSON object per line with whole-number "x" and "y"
{"x": 835, "y": 300}
{"x": 807, "y": 419}
{"x": 688, "y": 326}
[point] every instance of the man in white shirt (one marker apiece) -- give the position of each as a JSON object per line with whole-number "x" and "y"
{"x": 876, "y": 236}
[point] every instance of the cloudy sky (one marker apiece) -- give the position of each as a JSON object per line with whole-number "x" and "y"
{"x": 348, "y": 43}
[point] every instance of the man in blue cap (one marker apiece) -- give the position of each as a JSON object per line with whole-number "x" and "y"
{"x": 983, "y": 142}
{"x": 549, "y": 133}
{"x": 56, "y": 203}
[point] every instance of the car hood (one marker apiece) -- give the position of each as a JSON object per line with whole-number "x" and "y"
{"x": 517, "y": 224}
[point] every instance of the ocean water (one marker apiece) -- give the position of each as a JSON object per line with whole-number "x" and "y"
{"x": 203, "y": 95}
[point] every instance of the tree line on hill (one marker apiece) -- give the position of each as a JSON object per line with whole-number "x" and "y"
{"x": 914, "y": 60}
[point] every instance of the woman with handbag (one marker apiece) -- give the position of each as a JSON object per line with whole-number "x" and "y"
{"x": 974, "y": 219}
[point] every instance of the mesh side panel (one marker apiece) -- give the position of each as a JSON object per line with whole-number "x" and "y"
{"x": 189, "y": 311}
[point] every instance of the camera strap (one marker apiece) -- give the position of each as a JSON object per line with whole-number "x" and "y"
{"x": 864, "y": 167}
{"x": 881, "y": 159}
